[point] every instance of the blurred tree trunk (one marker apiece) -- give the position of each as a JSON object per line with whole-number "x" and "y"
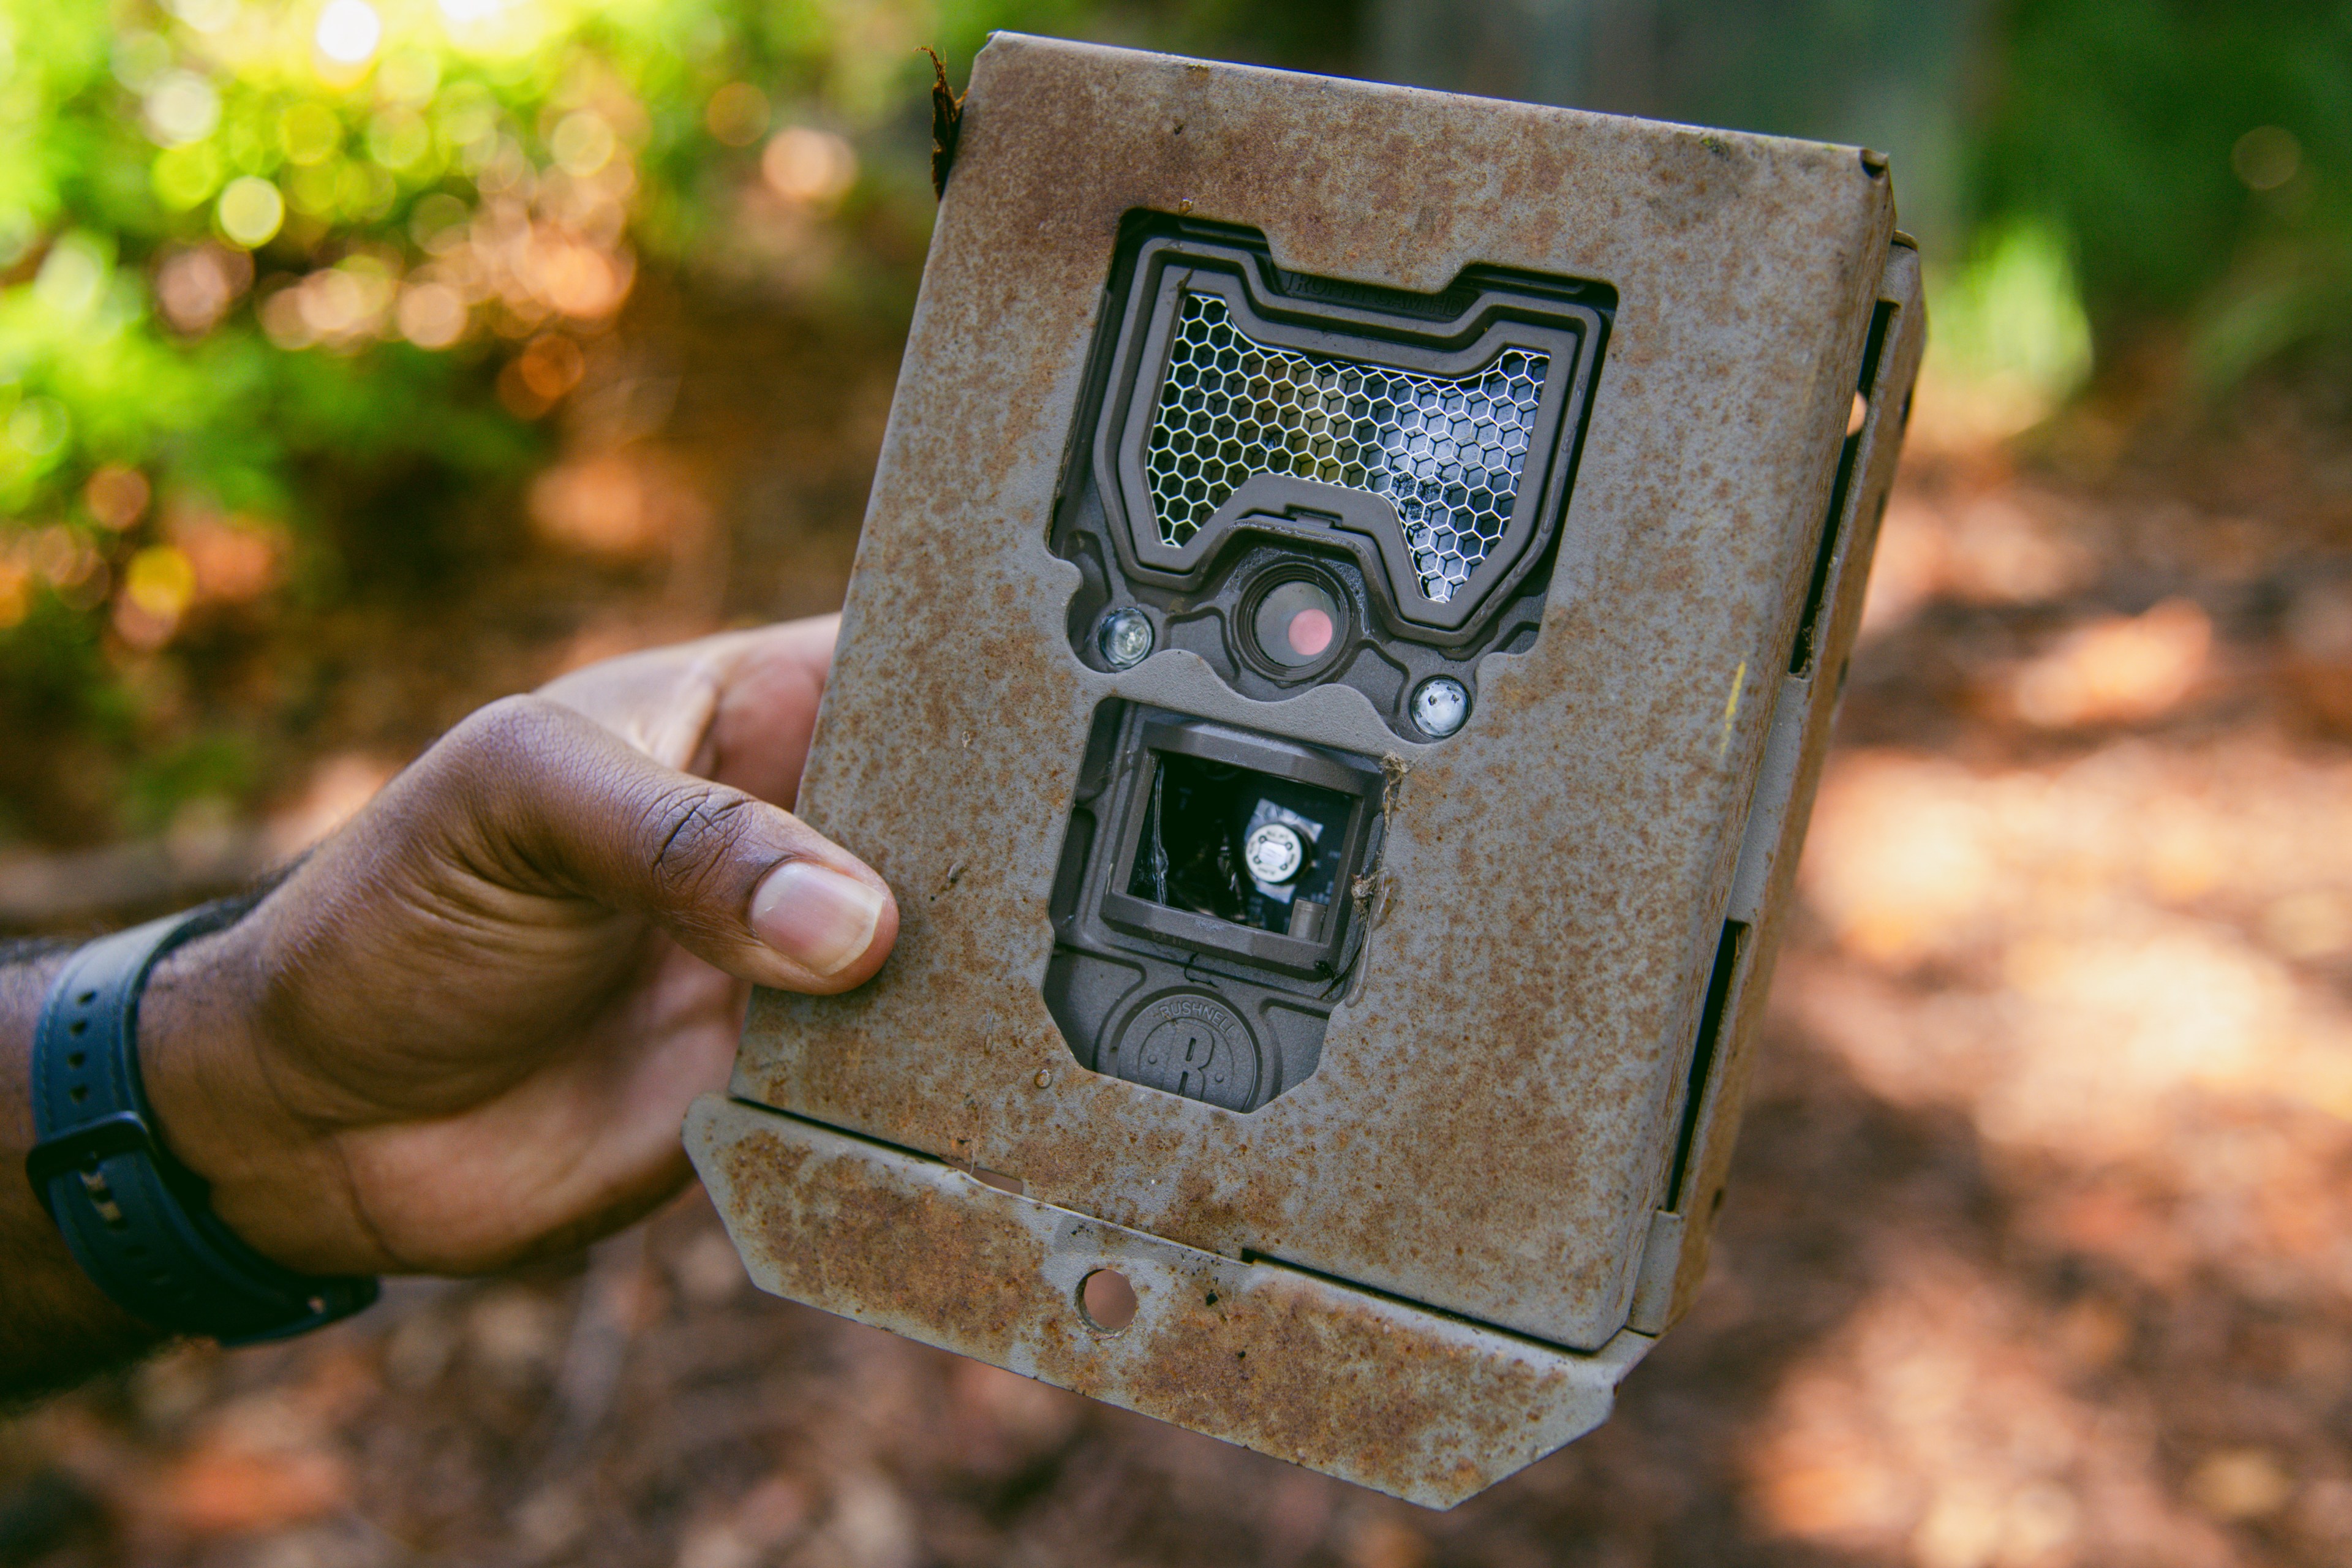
{"x": 1890, "y": 74}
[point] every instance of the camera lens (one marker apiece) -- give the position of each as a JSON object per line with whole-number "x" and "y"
{"x": 1297, "y": 622}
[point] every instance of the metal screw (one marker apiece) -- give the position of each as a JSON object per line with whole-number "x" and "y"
{"x": 1440, "y": 705}
{"x": 1125, "y": 637}
{"x": 1275, "y": 852}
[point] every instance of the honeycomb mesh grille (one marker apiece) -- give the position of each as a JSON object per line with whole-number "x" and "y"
{"x": 1448, "y": 451}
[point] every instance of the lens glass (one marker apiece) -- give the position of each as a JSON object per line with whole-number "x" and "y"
{"x": 1296, "y": 622}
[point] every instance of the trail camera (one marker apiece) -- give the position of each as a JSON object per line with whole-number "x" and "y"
{"x": 1349, "y": 615}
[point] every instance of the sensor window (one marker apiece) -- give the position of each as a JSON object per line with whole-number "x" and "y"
{"x": 1296, "y": 623}
{"x": 1448, "y": 451}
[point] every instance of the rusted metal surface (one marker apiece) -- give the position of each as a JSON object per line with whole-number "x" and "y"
{"x": 1493, "y": 1125}
{"x": 1805, "y": 713}
{"x": 1411, "y": 1403}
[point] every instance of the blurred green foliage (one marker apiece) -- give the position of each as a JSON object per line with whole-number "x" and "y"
{"x": 257, "y": 256}
{"x": 2012, "y": 314}
{"x": 2197, "y": 154}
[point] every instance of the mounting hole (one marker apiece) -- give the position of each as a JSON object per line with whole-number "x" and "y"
{"x": 1106, "y": 1300}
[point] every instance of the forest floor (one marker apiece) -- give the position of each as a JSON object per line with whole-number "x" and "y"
{"x": 2039, "y": 1243}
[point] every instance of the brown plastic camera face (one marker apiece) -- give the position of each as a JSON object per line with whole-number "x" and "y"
{"x": 1303, "y": 481}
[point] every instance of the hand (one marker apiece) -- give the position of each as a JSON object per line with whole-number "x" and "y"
{"x": 465, "y": 1032}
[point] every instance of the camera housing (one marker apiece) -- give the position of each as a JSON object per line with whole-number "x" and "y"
{"x": 1368, "y": 972}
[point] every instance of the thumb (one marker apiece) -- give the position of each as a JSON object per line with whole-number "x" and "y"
{"x": 559, "y": 803}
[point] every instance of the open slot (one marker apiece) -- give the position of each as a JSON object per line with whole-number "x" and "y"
{"x": 1712, "y": 1022}
{"x": 988, "y": 1178}
{"x": 1240, "y": 844}
{"x": 1800, "y": 657}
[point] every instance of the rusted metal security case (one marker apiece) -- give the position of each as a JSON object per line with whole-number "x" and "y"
{"x": 1387, "y": 1035}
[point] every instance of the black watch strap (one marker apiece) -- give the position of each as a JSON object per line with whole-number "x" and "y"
{"x": 135, "y": 1218}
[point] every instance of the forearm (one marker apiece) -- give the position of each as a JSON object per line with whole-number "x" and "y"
{"x": 56, "y": 1327}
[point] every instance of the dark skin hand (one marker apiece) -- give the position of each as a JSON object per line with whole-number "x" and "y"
{"x": 465, "y": 1030}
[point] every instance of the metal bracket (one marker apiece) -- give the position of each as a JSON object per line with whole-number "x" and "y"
{"x": 1420, "y": 1404}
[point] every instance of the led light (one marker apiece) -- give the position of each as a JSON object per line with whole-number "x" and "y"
{"x": 1309, "y": 632}
{"x": 1274, "y": 853}
{"x": 1440, "y": 705}
{"x": 1125, "y": 639}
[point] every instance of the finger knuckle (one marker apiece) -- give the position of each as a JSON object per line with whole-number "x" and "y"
{"x": 696, "y": 829}
{"x": 505, "y": 741}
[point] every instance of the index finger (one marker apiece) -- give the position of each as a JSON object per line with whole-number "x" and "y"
{"x": 737, "y": 707}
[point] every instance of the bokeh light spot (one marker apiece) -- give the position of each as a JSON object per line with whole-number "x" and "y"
{"x": 159, "y": 580}
{"x": 185, "y": 176}
{"x": 72, "y": 276}
{"x": 809, "y": 166}
{"x": 737, "y": 114}
{"x": 206, "y": 15}
{"x": 250, "y": 212}
{"x": 348, "y": 31}
{"x": 431, "y": 315}
{"x": 309, "y": 132}
{"x": 583, "y": 142}
{"x": 196, "y": 285}
{"x": 117, "y": 496}
{"x": 399, "y": 139}
{"x": 39, "y": 426}
{"x": 2266, "y": 157}
{"x": 182, "y": 107}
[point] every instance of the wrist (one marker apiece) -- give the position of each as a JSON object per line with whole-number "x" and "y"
{"x": 208, "y": 1068}
{"x": 135, "y": 1217}
{"x": 56, "y": 1325}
